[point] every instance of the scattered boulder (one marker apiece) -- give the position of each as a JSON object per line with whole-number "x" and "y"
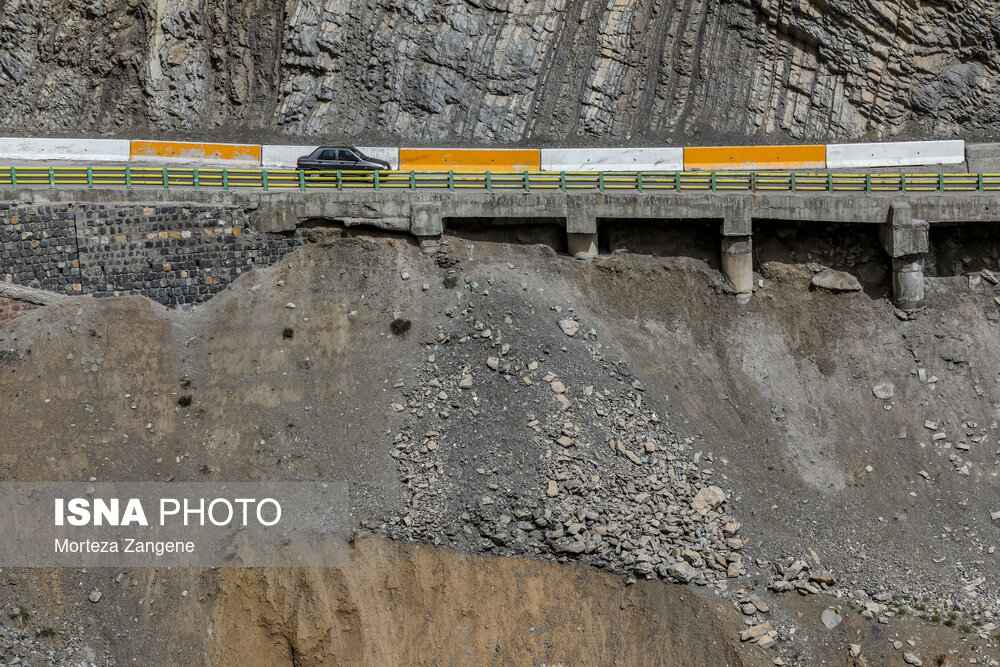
{"x": 835, "y": 281}
{"x": 569, "y": 327}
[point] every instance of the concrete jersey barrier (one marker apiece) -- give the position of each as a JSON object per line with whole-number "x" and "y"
{"x": 894, "y": 154}
{"x": 183, "y": 151}
{"x": 469, "y": 159}
{"x": 720, "y": 158}
{"x": 612, "y": 159}
{"x": 95, "y": 150}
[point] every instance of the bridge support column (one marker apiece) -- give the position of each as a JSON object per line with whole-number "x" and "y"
{"x": 426, "y": 224}
{"x": 581, "y": 233}
{"x": 737, "y": 264}
{"x": 906, "y": 241}
{"x": 737, "y": 252}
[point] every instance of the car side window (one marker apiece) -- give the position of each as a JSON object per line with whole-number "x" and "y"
{"x": 348, "y": 156}
{"x": 328, "y": 155}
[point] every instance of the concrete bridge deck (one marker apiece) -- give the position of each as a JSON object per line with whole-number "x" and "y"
{"x": 904, "y": 217}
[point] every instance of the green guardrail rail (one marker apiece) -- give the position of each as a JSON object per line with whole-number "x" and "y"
{"x": 485, "y": 181}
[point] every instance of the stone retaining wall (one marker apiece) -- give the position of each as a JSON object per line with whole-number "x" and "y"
{"x": 175, "y": 254}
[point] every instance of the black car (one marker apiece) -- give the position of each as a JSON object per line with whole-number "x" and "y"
{"x": 345, "y": 158}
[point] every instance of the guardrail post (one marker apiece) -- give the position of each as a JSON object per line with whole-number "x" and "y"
{"x": 979, "y": 182}
{"x": 128, "y": 177}
{"x": 712, "y": 180}
{"x": 166, "y": 179}
{"x": 829, "y": 182}
{"x": 562, "y": 181}
{"x": 753, "y": 181}
{"x": 225, "y": 179}
{"x": 638, "y": 181}
{"x": 527, "y": 182}
{"x": 340, "y": 180}
{"x": 902, "y": 182}
{"x": 90, "y": 177}
{"x": 263, "y": 179}
{"x": 677, "y": 181}
{"x": 195, "y": 179}
{"x": 451, "y": 181}
{"x": 13, "y": 176}
{"x": 791, "y": 181}
{"x": 413, "y": 180}
{"x": 940, "y": 182}
{"x": 302, "y": 180}
{"x": 600, "y": 181}
{"x": 489, "y": 181}
{"x": 376, "y": 180}
{"x": 52, "y": 177}
{"x": 868, "y": 184}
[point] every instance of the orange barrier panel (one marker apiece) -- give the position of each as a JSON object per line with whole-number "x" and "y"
{"x": 713, "y": 158}
{"x": 466, "y": 159}
{"x": 195, "y": 152}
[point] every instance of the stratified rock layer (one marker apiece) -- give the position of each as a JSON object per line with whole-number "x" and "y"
{"x": 498, "y": 71}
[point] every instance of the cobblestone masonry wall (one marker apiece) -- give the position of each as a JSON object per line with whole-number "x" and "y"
{"x": 11, "y": 308}
{"x": 173, "y": 254}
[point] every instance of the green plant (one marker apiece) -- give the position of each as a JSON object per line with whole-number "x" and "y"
{"x": 287, "y": 332}
{"x": 400, "y": 326}
{"x": 20, "y": 614}
{"x": 450, "y": 281}
{"x": 965, "y": 628}
{"x": 45, "y": 633}
{"x": 184, "y": 400}
{"x": 935, "y": 619}
{"x": 948, "y": 622}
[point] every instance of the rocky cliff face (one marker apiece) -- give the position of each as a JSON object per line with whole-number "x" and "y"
{"x": 500, "y": 71}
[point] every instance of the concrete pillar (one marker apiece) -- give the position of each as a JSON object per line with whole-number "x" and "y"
{"x": 582, "y": 246}
{"x": 581, "y": 231}
{"x": 426, "y": 224}
{"x": 737, "y": 265}
{"x": 906, "y": 240}
{"x": 908, "y": 282}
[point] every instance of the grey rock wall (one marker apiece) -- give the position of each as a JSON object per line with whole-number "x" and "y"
{"x": 503, "y": 71}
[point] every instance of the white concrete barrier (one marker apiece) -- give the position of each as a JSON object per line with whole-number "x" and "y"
{"x": 91, "y": 150}
{"x": 285, "y": 156}
{"x": 612, "y": 159}
{"x": 898, "y": 154}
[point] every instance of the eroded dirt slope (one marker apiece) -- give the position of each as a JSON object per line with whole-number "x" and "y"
{"x": 771, "y": 403}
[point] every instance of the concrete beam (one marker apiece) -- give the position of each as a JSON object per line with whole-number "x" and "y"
{"x": 902, "y": 234}
{"x": 425, "y": 219}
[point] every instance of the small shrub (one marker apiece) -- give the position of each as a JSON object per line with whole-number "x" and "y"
{"x": 287, "y": 332}
{"x": 948, "y": 622}
{"x": 184, "y": 400}
{"x": 45, "y": 633}
{"x": 935, "y": 619}
{"x": 965, "y": 628}
{"x": 451, "y": 281}
{"x": 400, "y": 326}
{"x": 20, "y": 614}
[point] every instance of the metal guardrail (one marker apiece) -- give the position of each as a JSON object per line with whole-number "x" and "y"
{"x": 485, "y": 181}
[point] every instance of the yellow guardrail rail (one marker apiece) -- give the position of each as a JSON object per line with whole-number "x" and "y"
{"x": 485, "y": 181}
